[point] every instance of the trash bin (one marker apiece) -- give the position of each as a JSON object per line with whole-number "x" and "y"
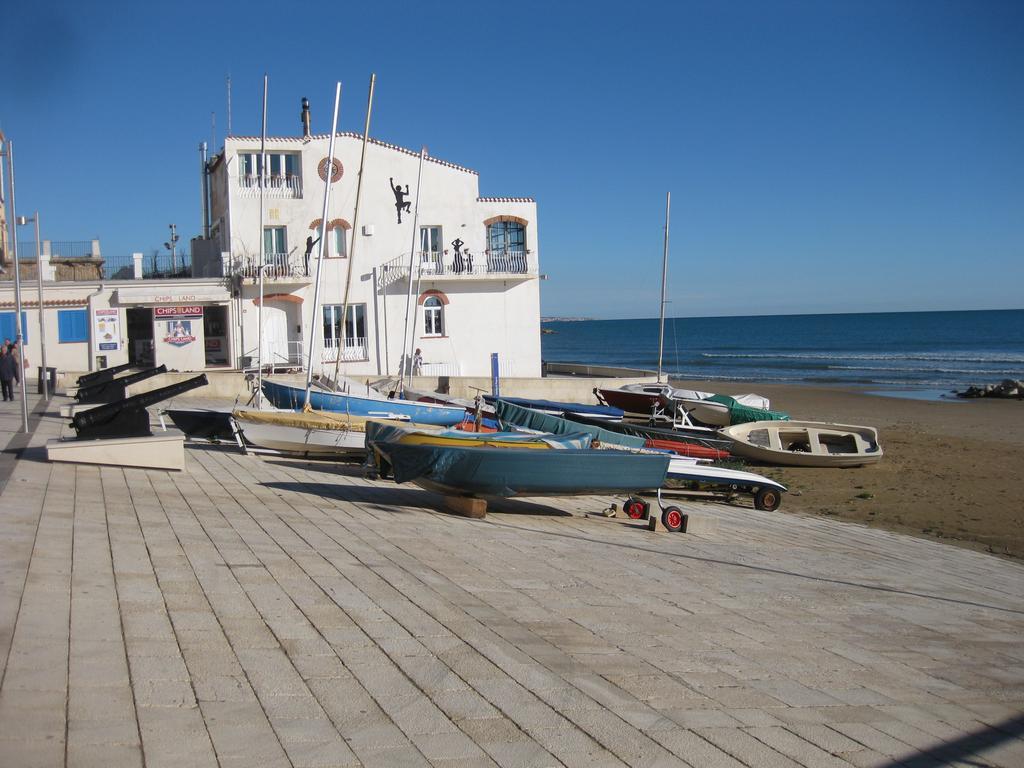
{"x": 51, "y": 374}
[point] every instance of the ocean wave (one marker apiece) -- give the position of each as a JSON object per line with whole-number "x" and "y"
{"x": 950, "y": 357}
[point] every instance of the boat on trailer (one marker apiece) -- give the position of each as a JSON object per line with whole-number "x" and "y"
{"x": 212, "y": 424}
{"x": 556, "y": 408}
{"x": 370, "y": 405}
{"x": 805, "y": 443}
{"x": 717, "y": 410}
{"x": 638, "y": 401}
{"x": 509, "y": 472}
{"x": 306, "y": 433}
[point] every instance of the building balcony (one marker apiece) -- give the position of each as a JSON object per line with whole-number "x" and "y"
{"x": 353, "y": 351}
{"x": 280, "y": 267}
{"x": 436, "y": 266}
{"x": 278, "y": 187}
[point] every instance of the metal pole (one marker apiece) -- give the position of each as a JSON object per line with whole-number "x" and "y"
{"x": 17, "y": 285}
{"x": 664, "y": 275}
{"x": 407, "y": 333}
{"x": 42, "y": 321}
{"x": 323, "y": 245}
{"x": 259, "y": 309}
{"x": 384, "y": 301}
{"x": 355, "y": 234}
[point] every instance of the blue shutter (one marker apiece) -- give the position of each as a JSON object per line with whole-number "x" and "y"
{"x": 72, "y": 325}
{"x": 8, "y": 330}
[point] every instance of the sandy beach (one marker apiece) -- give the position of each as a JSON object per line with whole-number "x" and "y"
{"x": 952, "y": 469}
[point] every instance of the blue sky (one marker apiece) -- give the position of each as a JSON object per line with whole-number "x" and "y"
{"x": 822, "y": 156}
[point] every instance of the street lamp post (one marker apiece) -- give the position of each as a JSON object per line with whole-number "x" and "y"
{"x": 23, "y": 220}
{"x": 172, "y": 245}
{"x": 9, "y": 151}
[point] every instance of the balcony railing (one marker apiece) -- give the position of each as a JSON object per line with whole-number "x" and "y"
{"x": 354, "y": 350}
{"x": 277, "y": 266}
{"x": 157, "y": 266}
{"x": 433, "y": 264}
{"x": 278, "y": 186}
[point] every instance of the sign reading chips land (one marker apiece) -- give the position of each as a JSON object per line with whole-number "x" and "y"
{"x": 106, "y": 327}
{"x": 177, "y": 313}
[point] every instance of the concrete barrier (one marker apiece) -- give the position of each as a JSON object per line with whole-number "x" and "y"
{"x": 232, "y": 385}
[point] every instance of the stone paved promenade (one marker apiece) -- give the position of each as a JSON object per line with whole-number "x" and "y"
{"x": 257, "y": 611}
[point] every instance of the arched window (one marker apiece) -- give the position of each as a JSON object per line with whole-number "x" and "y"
{"x": 433, "y": 317}
{"x": 506, "y": 246}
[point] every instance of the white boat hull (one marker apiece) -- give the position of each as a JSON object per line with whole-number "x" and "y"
{"x": 320, "y": 442}
{"x": 805, "y": 443}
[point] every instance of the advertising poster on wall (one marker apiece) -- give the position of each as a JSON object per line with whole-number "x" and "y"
{"x": 107, "y": 329}
{"x": 177, "y": 323}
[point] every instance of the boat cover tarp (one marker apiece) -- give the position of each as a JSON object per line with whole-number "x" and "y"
{"x": 518, "y": 472}
{"x": 706, "y": 437}
{"x": 377, "y": 431}
{"x": 303, "y": 419}
{"x": 741, "y": 414}
{"x": 509, "y": 413}
{"x": 609, "y": 412}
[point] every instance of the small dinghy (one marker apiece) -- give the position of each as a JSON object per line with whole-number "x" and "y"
{"x": 805, "y": 443}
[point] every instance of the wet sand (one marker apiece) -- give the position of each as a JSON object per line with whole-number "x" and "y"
{"x": 952, "y": 470}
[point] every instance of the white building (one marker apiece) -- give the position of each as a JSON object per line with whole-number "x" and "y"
{"x": 475, "y": 277}
{"x": 474, "y": 260}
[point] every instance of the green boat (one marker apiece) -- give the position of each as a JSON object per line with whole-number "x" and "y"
{"x": 507, "y": 472}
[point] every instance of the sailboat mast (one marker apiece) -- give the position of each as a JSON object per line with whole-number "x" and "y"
{"x": 407, "y": 332}
{"x": 355, "y": 228}
{"x": 263, "y": 255}
{"x": 328, "y": 176}
{"x": 664, "y": 279}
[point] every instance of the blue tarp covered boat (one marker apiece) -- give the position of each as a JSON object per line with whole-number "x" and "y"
{"x": 558, "y": 409}
{"x": 523, "y": 472}
{"x": 293, "y": 398}
{"x": 538, "y": 421}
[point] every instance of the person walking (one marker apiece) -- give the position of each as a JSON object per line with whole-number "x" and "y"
{"x": 8, "y": 373}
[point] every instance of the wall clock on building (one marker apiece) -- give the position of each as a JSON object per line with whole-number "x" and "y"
{"x": 337, "y": 169}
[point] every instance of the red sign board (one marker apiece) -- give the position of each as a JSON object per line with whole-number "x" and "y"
{"x": 168, "y": 312}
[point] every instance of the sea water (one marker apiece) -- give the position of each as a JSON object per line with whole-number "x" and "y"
{"x": 928, "y": 353}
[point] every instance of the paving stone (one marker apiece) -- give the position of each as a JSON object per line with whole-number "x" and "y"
{"x": 103, "y": 756}
{"x": 745, "y": 748}
{"x": 382, "y": 633}
{"x": 799, "y": 749}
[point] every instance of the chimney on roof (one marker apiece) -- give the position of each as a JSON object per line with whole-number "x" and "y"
{"x": 305, "y": 117}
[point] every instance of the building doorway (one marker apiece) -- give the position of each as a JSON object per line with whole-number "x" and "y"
{"x": 140, "y": 337}
{"x": 215, "y": 334}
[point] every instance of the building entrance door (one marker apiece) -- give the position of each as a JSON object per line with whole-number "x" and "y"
{"x": 140, "y": 336}
{"x": 215, "y": 335}
{"x": 274, "y": 348}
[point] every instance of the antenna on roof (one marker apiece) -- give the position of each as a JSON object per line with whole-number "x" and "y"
{"x": 229, "y": 104}
{"x": 213, "y": 131}
{"x": 305, "y": 118}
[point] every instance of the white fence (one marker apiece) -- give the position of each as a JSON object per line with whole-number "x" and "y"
{"x": 278, "y": 187}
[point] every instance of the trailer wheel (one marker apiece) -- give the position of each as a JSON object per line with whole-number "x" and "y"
{"x": 767, "y": 499}
{"x": 636, "y": 509}
{"x": 672, "y": 519}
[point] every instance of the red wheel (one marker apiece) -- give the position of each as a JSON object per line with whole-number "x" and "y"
{"x": 672, "y": 519}
{"x": 767, "y": 499}
{"x": 635, "y": 508}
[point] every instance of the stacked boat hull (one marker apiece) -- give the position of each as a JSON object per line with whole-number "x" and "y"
{"x": 805, "y": 443}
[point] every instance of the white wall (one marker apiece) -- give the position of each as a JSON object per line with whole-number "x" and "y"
{"x": 485, "y": 315}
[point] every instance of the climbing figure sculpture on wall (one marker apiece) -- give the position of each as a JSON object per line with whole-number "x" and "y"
{"x": 401, "y": 204}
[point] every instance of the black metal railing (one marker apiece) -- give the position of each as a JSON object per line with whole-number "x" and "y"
{"x": 154, "y": 267}
{"x": 67, "y": 249}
